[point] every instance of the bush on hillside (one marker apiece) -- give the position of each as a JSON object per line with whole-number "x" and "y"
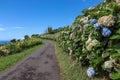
{"x": 94, "y": 39}
{"x": 19, "y": 46}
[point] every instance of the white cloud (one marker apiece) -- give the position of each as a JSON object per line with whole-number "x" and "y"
{"x": 18, "y": 27}
{"x": 2, "y": 29}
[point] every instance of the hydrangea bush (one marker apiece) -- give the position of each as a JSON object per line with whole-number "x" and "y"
{"x": 96, "y": 46}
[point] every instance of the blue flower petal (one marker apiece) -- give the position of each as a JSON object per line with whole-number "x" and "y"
{"x": 90, "y": 72}
{"x": 97, "y": 26}
{"x": 106, "y": 32}
{"x": 93, "y": 21}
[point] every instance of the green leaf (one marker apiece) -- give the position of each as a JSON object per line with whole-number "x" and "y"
{"x": 115, "y": 37}
{"x": 118, "y": 50}
{"x": 115, "y": 76}
{"x": 77, "y": 54}
{"x": 115, "y": 55}
{"x": 118, "y": 31}
{"x": 97, "y": 62}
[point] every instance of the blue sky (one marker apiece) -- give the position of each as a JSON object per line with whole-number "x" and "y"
{"x": 26, "y": 17}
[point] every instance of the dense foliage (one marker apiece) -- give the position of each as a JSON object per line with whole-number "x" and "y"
{"x": 54, "y": 35}
{"x": 18, "y": 46}
{"x": 94, "y": 39}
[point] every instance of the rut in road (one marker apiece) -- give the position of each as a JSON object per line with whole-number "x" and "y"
{"x": 40, "y": 65}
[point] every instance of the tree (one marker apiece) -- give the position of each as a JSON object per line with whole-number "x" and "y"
{"x": 13, "y": 40}
{"x": 35, "y": 36}
{"x": 26, "y": 37}
{"x": 50, "y": 30}
{"x": 18, "y": 40}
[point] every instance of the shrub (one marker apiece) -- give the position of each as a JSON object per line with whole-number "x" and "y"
{"x": 96, "y": 45}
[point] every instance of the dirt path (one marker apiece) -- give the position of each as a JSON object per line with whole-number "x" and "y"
{"x": 40, "y": 65}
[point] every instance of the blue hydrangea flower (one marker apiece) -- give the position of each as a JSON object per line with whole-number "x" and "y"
{"x": 97, "y": 26}
{"x": 93, "y": 21}
{"x": 106, "y": 32}
{"x": 90, "y": 72}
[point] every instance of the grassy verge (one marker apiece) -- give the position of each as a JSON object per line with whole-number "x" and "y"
{"x": 7, "y": 61}
{"x": 70, "y": 70}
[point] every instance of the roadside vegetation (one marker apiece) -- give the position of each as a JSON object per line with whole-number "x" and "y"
{"x": 89, "y": 49}
{"x": 16, "y": 50}
{"x": 69, "y": 69}
{"x": 8, "y": 61}
{"x": 16, "y": 46}
{"x": 92, "y": 42}
{"x": 52, "y": 34}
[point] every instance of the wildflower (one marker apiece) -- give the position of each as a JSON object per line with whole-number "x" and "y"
{"x": 93, "y": 21}
{"x": 89, "y": 47}
{"x": 97, "y": 26}
{"x": 72, "y": 35}
{"x": 117, "y": 1}
{"x": 92, "y": 44}
{"x": 71, "y": 52}
{"x": 107, "y": 20}
{"x": 105, "y": 54}
{"x": 83, "y": 19}
{"x": 109, "y": 65}
{"x": 106, "y": 32}
{"x": 86, "y": 25}
{"x": 82, "y": 37}
{"x": 85, "y": 22}
{"x": 6, "y": 52}
{"x": 90, "y": 72}
{"x": 97, "y": 12}
{"x": 88, "y": 41}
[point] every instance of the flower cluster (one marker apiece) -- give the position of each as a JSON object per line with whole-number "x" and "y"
{"x": 117, "y": 1}
{"x": 107, "y": 20}
{"x": 97, "y": 26}
{"x": 96, "y": 43}
{"x": 85, "y": 21}
{"x": 7, "y": 52}
{"x": 109, "y": 65}
{"x": 84, "y": 18}
{"x": 106, "y": 32}
{"x": 91, "y": 43}
{"x": 93, "y": 21}
{"x": 90, "y": 72}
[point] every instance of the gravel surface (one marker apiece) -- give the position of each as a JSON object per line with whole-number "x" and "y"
{"x": 40, "y": 65}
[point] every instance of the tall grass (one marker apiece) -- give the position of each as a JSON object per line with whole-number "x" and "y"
{"x": 70, "y": 70}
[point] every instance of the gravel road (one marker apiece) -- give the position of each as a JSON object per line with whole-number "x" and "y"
{"x": 40, "y": 65}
